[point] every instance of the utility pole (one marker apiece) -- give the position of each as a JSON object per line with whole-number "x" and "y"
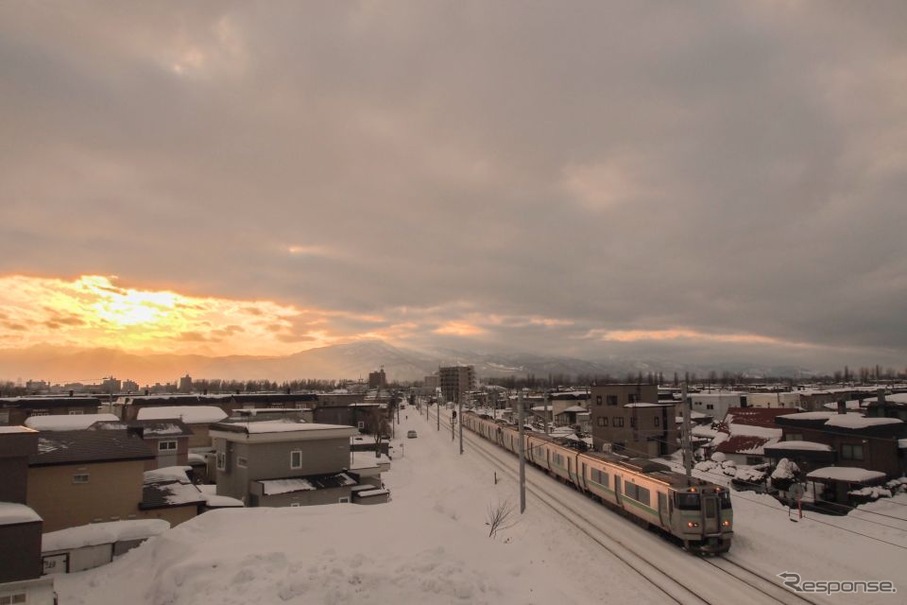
{"x": 460, "y": 422}
{"x": 547, "y": 396}
{"x": 685, "y": 436}
{"x": 439, "y": 415}
{"x": 522, "y": 454}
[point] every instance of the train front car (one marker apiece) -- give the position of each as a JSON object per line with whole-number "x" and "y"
{"x": 704, "y": 518}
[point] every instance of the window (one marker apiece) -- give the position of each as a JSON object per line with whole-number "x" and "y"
{"x": 296, "y": 459}
{"x": 710, "y": 406}
{"x": 631, "y": 490}
{"x": 598, "y": 400}
{"x": 642, "y": 495}
{"x": 4, "y": 418}
{"x": 617, "y": 422}
{"x": 343, "y": 500}
{"x": 604, "y": 420}
{"x": 80, "y": 478}
{"x": 221, "y": 461}
{"x": 12, "y": 599}
{"x": 633, "y": 398}
{"x": 242, "y": 461}
{"x": 612, "y": 399}
{"x": 687, "y": 501}
{"x": 851, "y": 452}
{"x": 657, "y": 421}
{"x": 600, "y": 477}
{"x": 360, "y": 425}
{"x": 76, "y": 412}
{"x": 39, "y": 413}
{"x": 166, "y": 446}
{"x": 793, "y": 437}
{"x": 633, "y": 421}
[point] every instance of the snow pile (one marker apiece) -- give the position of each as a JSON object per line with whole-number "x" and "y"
{"x": 785, "y": 470}
{"x": 102, "y": 533}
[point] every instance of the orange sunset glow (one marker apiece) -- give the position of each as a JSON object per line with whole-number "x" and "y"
{"x": 94, "y": 311}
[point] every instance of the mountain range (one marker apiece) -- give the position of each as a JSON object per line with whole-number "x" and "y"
{"x": 345, "y": 361}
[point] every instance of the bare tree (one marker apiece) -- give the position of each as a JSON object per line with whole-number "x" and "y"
{"x": 378, "y": 427}
{"x": 498, "y": 514}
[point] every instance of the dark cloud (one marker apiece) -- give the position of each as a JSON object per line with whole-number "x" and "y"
{"x": 730, "y": 168}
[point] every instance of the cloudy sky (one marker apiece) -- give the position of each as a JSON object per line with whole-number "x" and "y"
{"x": 699, "y": 180}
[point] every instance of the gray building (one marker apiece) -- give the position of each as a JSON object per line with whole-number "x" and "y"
{"x": 276, "y": 463}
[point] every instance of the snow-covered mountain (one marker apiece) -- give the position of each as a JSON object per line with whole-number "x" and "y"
{"x": 346, "y": 361}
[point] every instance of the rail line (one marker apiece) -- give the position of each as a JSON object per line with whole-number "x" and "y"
{"x": 679, "y": 589}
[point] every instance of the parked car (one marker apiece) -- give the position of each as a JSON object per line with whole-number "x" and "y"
{"x": 411, "y": 434}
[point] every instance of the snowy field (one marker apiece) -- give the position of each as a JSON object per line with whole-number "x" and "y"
{"x": 431, "y": 544}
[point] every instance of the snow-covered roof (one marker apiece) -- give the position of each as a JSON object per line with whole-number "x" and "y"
{"x": 856, "y": 421}
{"x": 102, "y": 533}
{"x": 902, "y": 443}
{"x": 168, "y": 473}
{"x": 648, "y": 405}
{"x": 15, "y": 429}
{"x": 800, "y": 445}
{"x": 285, "y": 486}
{"x": 280, "y": 426}
{"x": 846, "y": 473}
{"x": 66, "y": 422}
{"x": 809, "y": 416}
{"x": 190, "y": 414}
{"x": 12, "y": 513}
{"x": 576, "y": 409}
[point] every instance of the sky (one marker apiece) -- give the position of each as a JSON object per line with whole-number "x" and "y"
{"x": 431, "y": 544}
{"x": 705, "y": 181}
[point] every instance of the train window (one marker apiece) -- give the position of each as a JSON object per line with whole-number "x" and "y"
{"x": 631, "y": 490}
{"x": 725, "y": 499}
{"x": 687, "y": 501}
{"x": 642, "y": 495}
{"x": 600, "y": 477}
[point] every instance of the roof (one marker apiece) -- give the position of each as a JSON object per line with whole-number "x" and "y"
{"x": 273, "y": 487}
{"x": 102, "y": 533}
{"x": 854, "y": 421}
{"x": 577, "y": 409}
{"x": 745, "y": 444}
{"x": 66, "y": 422}
{"x": 75, "y": 447}
{"x": 170, "y": 493}
{"x": 764, "y": 417}
{"x": 168, "y": 427}
{"x": 846, "y": 473}
{"x": 800, "y": 445}
{"x": 190, "y": 414}
{"x": 13, "y": 513}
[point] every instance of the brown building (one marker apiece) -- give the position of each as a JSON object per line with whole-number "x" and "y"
{"x": 870, "y": 443}
{"x": 628, "y": 417}
{"x": 81, "y": 477}
{"x": 14, "y": 411}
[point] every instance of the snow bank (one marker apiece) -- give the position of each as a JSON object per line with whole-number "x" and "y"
{"x": 102, "y": 533}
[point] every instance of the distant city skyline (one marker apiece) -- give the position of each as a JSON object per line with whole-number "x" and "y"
{"x": 704, "y": 183}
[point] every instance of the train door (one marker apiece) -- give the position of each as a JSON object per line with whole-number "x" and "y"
{"x": 711, "y": 523}
{"x": 617, "y": 489}
{"x": 663, "y": 515}
{"x": 581, "y": 476}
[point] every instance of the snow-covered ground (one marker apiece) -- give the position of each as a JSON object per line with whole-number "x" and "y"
{"x": 431, "y": 544}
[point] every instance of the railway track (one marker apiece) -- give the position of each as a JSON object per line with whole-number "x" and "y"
{"x": 686, "y": 579}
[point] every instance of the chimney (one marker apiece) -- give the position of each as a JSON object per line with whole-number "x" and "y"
{"x": 842, "y": 406}
{"x": 71, "y": 392}
{"x": 146, "y": 392}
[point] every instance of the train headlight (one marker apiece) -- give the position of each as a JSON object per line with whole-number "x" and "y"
{"x": 726, "y": 523}
{"x": 692, "y": 524}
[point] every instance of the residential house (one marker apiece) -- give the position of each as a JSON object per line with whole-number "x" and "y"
{"x": 283, "y": 463}
{"x": 14, "y": 411}
{"x": 168, "y": 439}
{"x": 59, "y": 422}
{"x": 744, "y": 433}
{"x": 197, "y": 417}
{"x": 717, "y": 403}
{"x": 857, "y": 441}
{"x": 80, "y": 477}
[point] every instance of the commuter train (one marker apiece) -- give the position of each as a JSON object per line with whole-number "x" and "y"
{"x": 692, "y": 512}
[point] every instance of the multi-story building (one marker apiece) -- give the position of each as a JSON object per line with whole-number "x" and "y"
{"x": 455, "y": 382}
{"x": 15, "y": 410}
{"x": 377, "y": 380}
{"x": 628, "y": 418}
